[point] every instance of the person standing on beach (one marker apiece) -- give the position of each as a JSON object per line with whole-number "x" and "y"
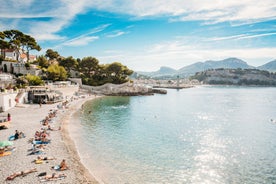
{"x": 9, "y": 117}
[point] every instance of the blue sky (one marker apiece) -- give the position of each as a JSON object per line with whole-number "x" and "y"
{"x": 145, "y": 35}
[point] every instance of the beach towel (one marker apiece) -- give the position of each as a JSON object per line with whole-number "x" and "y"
{"x": 43, "y": 179}
{"x": 38, "y": 152}
{"x": 6, "y": 153}
{"x": 11, "y": 138}
{"x": 56, "y": 167}
{"x": 41, "y": 142}
{"x": 39, "y": 162}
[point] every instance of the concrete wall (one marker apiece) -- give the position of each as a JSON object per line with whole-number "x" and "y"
{"x": 20, "y": 68}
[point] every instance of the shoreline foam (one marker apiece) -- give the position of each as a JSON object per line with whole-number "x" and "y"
{"x": 73, "y": 112}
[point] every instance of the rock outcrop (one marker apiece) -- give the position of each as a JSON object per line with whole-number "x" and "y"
{"x": 126, "y": 89}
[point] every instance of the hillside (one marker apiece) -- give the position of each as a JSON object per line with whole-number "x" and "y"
{"x": 201, "y": 66}
{"x": 270, "y": 66}
{"x": 163, "y": 71}
{"x": 236, "y": 77}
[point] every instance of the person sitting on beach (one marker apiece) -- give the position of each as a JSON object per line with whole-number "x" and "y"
{"x": 16, "y": 135}
{"x": 21, "y": 135}
{"x": 52, "y": 114}
{"x": 50, "y": 128}
{"x": 9, "y": 117}
{"x": 61, "y": 167}
{"x": 37, "y": 135}
{"x": 46, "y": 121}
{"x": 44, "y": 134}
{"x": 43, "y": 137}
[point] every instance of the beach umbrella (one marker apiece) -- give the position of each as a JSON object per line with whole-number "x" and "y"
{"x": 5, "y": 143}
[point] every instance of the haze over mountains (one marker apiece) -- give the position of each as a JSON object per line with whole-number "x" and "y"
{"x": 229, "y": 63}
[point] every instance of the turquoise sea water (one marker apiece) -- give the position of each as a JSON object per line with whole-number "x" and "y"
{"x": 196, "y": 135}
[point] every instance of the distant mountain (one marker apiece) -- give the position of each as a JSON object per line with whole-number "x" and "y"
{"x": 230, "y": 63}
{"x": 270, "y": 66}
{"x": 163, "y": 71}
{"x": 166, "y": 72}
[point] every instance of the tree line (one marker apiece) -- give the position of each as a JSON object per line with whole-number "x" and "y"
{"x": 58, "y": 68}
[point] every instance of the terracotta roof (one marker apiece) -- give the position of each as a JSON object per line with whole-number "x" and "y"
{"x": 23, "y": 56}
{"x": 9, "y": 50}
{"x": 32, "y": 56}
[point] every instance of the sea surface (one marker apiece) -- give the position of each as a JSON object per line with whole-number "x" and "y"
{"x": 199, "y": 135}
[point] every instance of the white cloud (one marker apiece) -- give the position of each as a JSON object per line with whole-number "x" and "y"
{"x": 240, "y": 37}
{"x": 60, "y": 13}
{"x": 115, "y": 34}
{"x": 45, "y": 36}
{"x": 81, "y": 41}
{"x": 211, "y": 11}
{"x": 86, "y": 38}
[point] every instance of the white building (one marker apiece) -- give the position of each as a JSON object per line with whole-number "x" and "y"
{"x": 10, "y": 54}
{"x": 19, "y": 68}
{"x": 7, "y": 100}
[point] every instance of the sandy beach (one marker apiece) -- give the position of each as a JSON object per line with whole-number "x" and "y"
{"x": 27, "y": 118}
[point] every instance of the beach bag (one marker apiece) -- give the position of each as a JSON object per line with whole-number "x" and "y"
{"x": 42, "y": 174}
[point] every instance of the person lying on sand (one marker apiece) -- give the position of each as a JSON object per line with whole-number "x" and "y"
{"x": 9, "y": 148}
{"x": 22, "y": 173}
{"x": 40, "y": 146}
{"x": 40, "y": 160}
{"x": 52, "y": 129}
{"x": 2, "y": 150}
{"x": 35, "y": 150}
{"x": 45, "y": 122}
{"x": 53, "y": 176}
{"x": 46, "y": 158}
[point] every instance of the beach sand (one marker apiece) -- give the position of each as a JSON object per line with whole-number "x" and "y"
{"x": 26, "y": 118}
